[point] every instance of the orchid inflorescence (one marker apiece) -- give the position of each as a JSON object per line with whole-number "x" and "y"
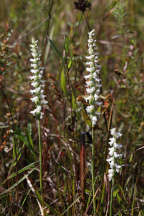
{"x": 114, "y": 155}
{"x": 93, "y": 81}
{"x": 37, "y": 82}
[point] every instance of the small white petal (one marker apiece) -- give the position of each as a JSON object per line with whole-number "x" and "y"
{"x": 34, "y": 65}
{"x": 90, "y": 40}
{"x": 97, "y": 91}
{"x": 36, "y": 90}
{"x": 118, "y": 168}
{"x": 111, "y": 151}
{"x": 41, "y": 115}
{"x": 99, "y": 85}
{"x": 43, "y": 100}
{"x": 113, "y": 131}
{"x": 109, "y": 160}
{"x": 92, "y": 32}
{"x": 90, "y": 50}
{"x": 90, "y": 108}
{"x": 88, "y": 76}
{"x": 34, "y": 60}
{"x": 89, "y": 83}
{"x": 34, "y": 71}
{"x": 35, "y": 99}
{"x": 96, "y": 97}
{"x": 97, "y": 80}
{"x": 116, "y": 155}
{"x": 112, "y": 164}
{"x": 90, "y": 90}
{"x": 36, "y": 111}
{"x": 88, "y": 98}
{"x": 112, "y": 140}
{"x": 90, "y": 57}
{"x": 117, "y": 146}
{"x": 91, "y": 69}
{"x": 32, "y": 77}
{"x": 110, "y": 174}
{"x": 94, "y": 120}
{"x": 95, "y": 75}
{"x": 35, "y": 84}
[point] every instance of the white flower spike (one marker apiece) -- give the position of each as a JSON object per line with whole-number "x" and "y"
{"x": 93, "y": 81}
{"x": 114, "y": 154}
{"x": 37, "y": 83}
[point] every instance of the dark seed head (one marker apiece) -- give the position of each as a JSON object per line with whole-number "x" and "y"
{"x": 82, "y": 5}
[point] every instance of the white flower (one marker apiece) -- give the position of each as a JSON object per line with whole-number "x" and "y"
{"x": 112, "y": 140}
{"x": 91, "y": 69}
{"x": 90, "y": 90}
{"x": 90, "y": 57}
{"x": 112, "y": 164}
{"x": 43, "y": 101}
{"x": 88, "y": 76}
{"x": 115, "y": 134}
{"x": 34, "y": 84}
{"x": 118, "y": 146}
{"x": 111, "y": 151}
{"x": 96, "y": 97}
{"x": 89, "y": 83}
{"x": 35, "y": 99}
{"x": 88, "y": 98}
{"x": 97, "y": 80}
{"x": 34, "y": 60}
{"x": 34, "y": 65}
{"x": 36, "y": 90}
{"x": 114, "y": 155}
{"x": 34, "y": 71}
{"x": 94, "y": 120}
{"x": 118, "y": 168}
{"x": 99, "y": 85}
{"x": 32, "y": 77}
{"x": 90, "y": 109}
{"x": 37, "y": 110}
{"x": 110, "y": 174}
{"x": 97, "y": 91}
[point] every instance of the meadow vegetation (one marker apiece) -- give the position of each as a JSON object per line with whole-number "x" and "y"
{"x": 58, "y": 163}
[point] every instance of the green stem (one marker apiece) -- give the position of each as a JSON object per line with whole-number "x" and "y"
{"x": 111, "y": 198}
{"x": 40, "y": 154}
{"x": 93, "y": 171}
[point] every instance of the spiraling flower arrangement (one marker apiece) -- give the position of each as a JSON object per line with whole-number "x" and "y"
{"x": 114, "y": 154}
{"x": 37, "y": 82}
{"x": 93, "y": 81}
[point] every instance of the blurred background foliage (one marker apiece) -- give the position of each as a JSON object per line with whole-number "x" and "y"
{"x": 61, "y": 28}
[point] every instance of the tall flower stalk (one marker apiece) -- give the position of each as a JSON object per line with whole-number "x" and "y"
{"x": 113, "y": 160}
{"x": 37, "y": 92}
{"x": 93, "y": 90}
